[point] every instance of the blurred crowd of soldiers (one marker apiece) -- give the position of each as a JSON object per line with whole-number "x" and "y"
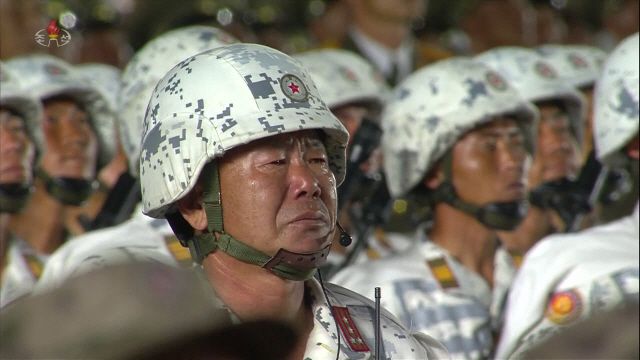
{"x": 324, "y": 179}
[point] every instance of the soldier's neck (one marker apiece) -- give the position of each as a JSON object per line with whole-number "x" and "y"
{"x": 253, "y": 293}
{"x": 4, "y": 239}
{"x": 389, "y": 34}
{"x": 41, "y": 224}
{"x": 466, "y": 239}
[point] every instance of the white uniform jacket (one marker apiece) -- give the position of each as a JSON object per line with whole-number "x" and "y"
{"x": 570, "y": 277}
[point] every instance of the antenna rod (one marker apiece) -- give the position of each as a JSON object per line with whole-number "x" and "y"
{"x": 378, "y": 327}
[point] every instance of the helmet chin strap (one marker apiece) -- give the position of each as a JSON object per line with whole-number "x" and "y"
{"x": 286, "y": 264}
{"x": 14, "y": 197}
{"x": 496, "y": 215}
{"x": 69, "y": 191}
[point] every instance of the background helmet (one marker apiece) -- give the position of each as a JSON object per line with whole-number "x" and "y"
{"x": 148, "y": 66}
{"x": 537, "y": 80}
{"x": 13, "y": 96}
{"x": 220, "y": 99}
{"x": 435, "y": 106}
{"x": 343, "y": 77}
{"x": 45, "y": 76}
{"x": 616, "y": 103}
{"x": 106, "y": 79}
{"x": 578, "y": 65}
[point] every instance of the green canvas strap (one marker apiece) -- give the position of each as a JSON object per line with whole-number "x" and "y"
{"x": 206, "y": 243}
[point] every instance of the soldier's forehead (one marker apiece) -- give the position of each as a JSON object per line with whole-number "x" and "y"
{"x": 310, "y": 138}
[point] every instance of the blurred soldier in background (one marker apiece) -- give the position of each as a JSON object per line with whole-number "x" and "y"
{"x": 457, "y": 137}
{"x": 106, "y": 79}
{"x": 578, "y": 66}
{"x": 20, "y": 141}
{"x": 137, "y": 311}
{"x": 557, "y": 158}
{"x": 568, "y": 278}
{"x": 242, "y": 156}
{"x": 79, "y": 140}
{"x": 356, "y": 93}
{"x": 141, "y": 237}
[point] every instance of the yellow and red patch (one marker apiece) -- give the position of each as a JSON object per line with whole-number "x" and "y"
{"x": 564, "y": 307}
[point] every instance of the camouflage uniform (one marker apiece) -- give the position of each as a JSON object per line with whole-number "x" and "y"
{"x": 141, "y": 237}
{"x": 425, "y": 286}
{"x": 431, "y": 292}
{"x": 567, "y": 278}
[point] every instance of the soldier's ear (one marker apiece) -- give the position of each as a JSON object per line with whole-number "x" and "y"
{"x": 192, "y": 210}
{"x": 633, "y": 149}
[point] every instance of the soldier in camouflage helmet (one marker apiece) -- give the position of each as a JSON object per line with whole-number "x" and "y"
{"x": 578, "y": 66}
{"x": 559, "y": 138}
{"x": 20, "y": 140}
{"x": 78, "y": 140}
{"x": 568, "y": 278}
{"x": 457, "y": 137}
{"x": 242, "y": 156}
{"x": 137, "y": 312}
{"x": 141, "y": 237}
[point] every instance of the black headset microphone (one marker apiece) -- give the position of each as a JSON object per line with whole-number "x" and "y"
{"x": 345, "y": 238}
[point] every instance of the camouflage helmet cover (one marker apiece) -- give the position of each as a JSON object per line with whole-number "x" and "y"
{"x": 616, "y": 102}
{"x": 220, "y": 99}
{"x": 435, "y": 106}
{"x": 14, "y": 97}
{"x": 343, "y": 77}
{"x": 537, "y": 80}
{"x": 45, "y": 76}
{"x": 147, "y": 67}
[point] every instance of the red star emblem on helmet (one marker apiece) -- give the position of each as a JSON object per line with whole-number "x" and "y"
{"x": 294, "y": 88}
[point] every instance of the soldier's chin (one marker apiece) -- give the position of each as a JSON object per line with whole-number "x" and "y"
{"x": 305, "y": 245}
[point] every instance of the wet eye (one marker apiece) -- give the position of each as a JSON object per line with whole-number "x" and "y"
{"x": 278, "y": 162}
{"x": 318, "y": 161}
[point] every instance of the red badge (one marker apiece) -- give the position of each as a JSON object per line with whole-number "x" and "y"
{"x": 349, "y": 329}
{"x": 564, "y": 307}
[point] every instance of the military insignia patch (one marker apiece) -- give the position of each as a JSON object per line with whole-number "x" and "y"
{"x": 564, "y": 307}
{"x": 543, "y": 69}
{"x": 179, "y": 252}
{"x": 35, "y": 265}
{"x": 576, "y": 61}
{"x": 349, "y": 329}
{"x": 293, "y": 88}
{"x": 496, "y": 81}
{"x": 348, "y": 74}
{"x": 54, "y": 69}
{"x": 516, "y": 257}
{"x": 443, "y": 273}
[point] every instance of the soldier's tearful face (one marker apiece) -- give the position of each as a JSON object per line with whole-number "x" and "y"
{"x": 490, "y": 164}
{"x": 16, "y": 150}
{"x": 71, "y": 145}
{"x": 279, "y": 192}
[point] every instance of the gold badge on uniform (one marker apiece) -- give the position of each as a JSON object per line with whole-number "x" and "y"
{"x": 443, "y": 273}
{"x": 564, "y": 307}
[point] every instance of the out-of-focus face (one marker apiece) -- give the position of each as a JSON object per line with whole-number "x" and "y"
{"x": 557, "y": 153}
{"x": 587, "y": 141}
{"x": 401, "y": 11}
{"x": 17, "y": 152}
{"x": 351, "y": 117}
{"x": 279, "y": 192}
{"x": 490, "y": 164}
{"x": 71, "y": 145}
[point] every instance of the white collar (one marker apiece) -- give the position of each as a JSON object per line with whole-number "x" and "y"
{"x": 383, "y": 57}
